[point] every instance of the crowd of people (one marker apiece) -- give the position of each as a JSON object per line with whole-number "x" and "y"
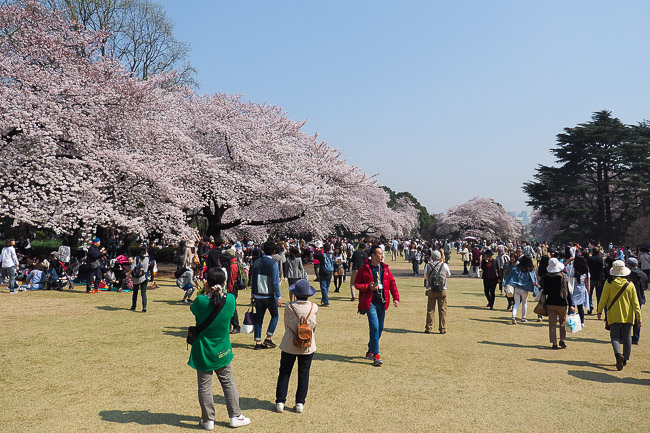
{"x": 562, "y": 280}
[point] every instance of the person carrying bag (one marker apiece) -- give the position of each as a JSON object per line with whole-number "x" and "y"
{"x": 298, "y": 343}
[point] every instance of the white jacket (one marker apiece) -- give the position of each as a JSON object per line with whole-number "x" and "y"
{"x": 9, "y": 257}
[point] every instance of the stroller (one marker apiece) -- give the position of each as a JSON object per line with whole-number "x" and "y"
{"x": 57, "y": 275}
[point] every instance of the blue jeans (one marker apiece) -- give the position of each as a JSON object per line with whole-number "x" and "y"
{"x": 376, "y": 315}
{"x": 325, "y": 289}
{"x": 12, "y": 278}
{"x": 261, "y": 305}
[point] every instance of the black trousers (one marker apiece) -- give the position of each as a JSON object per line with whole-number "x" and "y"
{"x": 286, "y": 365}
{"x": 489, "y": 287}
{"x": 93, "y": 278}
{"x": 234, "y": 322}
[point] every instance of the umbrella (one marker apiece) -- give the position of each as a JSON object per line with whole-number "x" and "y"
{"x": 470, "y": 238}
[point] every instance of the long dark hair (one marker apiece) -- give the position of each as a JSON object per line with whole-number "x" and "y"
{"x": 526, "y": 264}
{"x": 580, "y": 267}
{"x": 543, "y": 265}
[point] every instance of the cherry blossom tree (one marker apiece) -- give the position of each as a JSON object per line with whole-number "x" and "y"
{"x": 88, "y": 146}
{"x": 69, "y": 131}
{"x": 480, "y": 217}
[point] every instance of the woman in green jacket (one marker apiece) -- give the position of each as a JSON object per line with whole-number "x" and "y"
{"x": 621, "y": 311}
{"x": 212, "y": 351}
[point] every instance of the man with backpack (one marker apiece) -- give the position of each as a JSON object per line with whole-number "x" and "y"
{"x": 325, "y": 271}
{"x": 139, "y": 274}
{"x": 436, "y": 272}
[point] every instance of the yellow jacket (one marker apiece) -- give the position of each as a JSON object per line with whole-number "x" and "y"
{"x": 626, "y": 306}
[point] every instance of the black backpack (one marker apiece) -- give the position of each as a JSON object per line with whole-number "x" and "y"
{"x": 138, "y": 271}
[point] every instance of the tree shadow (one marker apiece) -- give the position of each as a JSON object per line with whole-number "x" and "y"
{"x": 607, "y": 378}
{"x": 474, "y": 294}
{"x": 573, "y": 363}
{"x": 145, "y": 417}
{"x": 339, "y": 358}
{"x": 400, "y": 331}
{"x": 523, "y": 346}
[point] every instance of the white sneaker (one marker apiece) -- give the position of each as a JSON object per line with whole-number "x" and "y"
{"x": 279, "y": 407}
{"x": 208, "y": 425}
{"x": 239, "y": 421}
{"x": 300, "y": 407}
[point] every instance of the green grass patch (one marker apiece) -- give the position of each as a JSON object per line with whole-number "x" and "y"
{"x": 77, "y": 362}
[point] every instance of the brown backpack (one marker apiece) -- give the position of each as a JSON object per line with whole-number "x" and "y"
{"x": 302, "y": 338}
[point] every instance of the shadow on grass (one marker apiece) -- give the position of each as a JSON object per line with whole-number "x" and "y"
{"x": 523, "y": 346}
{"x": 109, "y": 308}
{"x": 573, "y": 363}
{"x": 175, "y": 331}
{"x": 607, "y": 378}
{"x": 144, "y": 417}
{"x": 246, "y": 403}
{"x": 502, "y": 321}
{"x": 179, "y": 302}
{"x": 589, "y": 340}
{"x": 469, "y": 307}
{"x": 340, "y": 358}
{"x": 400, "y": 331}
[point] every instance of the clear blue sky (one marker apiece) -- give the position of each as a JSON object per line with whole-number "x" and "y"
{"x": 445, "y": 99}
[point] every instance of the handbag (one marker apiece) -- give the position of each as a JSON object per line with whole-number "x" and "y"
{"x": 618, "y": 295}
{"x": 249, "y": 320}
{"x": 194, "y": 331}
{"x": 540, "y": 309}
{"x": 573, "y": 323}
{"x": 510, "y": 291}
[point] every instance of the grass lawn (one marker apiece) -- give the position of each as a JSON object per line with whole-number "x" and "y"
{"x": 76, "y": 362}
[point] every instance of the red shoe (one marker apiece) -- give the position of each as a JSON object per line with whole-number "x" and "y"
{"x": 376, "y": 361}
{"x": 369, "y": 356}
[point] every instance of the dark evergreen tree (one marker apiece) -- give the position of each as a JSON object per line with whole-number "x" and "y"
{"x": 600, "y": 181}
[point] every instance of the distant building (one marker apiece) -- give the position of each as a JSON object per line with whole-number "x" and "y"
{"x": 522, "y": 217}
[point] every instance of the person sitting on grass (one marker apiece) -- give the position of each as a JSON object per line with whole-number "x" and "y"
{"x": 36, "y": 278}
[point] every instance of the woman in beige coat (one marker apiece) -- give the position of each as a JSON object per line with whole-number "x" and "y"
{"x": 292, "y": 347}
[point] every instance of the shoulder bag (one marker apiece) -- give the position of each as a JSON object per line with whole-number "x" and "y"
{"x": 194, "y": 331}
{"x": 618, "y": 295}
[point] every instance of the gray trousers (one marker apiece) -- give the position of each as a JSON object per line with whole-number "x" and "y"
{"x": 621, "y": 333}
{"x": 206, "y": 399}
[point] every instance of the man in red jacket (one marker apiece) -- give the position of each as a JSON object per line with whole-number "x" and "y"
{"x": 375, "y": 284}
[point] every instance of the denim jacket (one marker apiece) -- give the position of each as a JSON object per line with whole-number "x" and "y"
{"x": 520, "y": 279}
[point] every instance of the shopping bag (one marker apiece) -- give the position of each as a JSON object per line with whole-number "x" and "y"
{"x": 571, "y": 281}
{"x": 249, "y": 320}
{"x": 573, "y": 323}
{"x": 510, "y": 291}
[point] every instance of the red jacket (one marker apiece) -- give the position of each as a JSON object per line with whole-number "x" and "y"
{"x": 364, "y": 281}
{"x": 234, "y": 273}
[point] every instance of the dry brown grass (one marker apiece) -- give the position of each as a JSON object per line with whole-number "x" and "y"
{"x": 76, "y": 362}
